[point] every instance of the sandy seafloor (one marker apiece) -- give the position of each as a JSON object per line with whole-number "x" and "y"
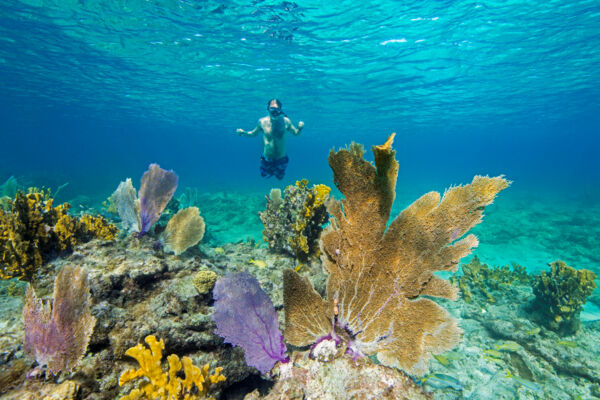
{"x": 516, "y": 229}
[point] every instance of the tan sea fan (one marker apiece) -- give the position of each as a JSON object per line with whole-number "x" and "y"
{"x": 185, "y": 229}
{"x": 380, "y": 276}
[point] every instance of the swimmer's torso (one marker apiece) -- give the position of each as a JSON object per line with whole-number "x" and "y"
{"x": 274, "y": 137}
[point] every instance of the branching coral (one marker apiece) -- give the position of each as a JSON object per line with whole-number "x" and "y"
{"x": 159, "y": 385}
{"x": 293, "y": 224}
{"x": 26, "y": 235}
{"x": 380, "y": 276}
{"x": 72, "y": 230}
{"x": 561, "y": 294}
{"x": 57, "y": 335}
{"x": 479, "y": 278}
{"x": 32, "y": 229}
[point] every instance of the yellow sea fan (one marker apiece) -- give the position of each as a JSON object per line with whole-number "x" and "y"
{"x": 184, "y": 230}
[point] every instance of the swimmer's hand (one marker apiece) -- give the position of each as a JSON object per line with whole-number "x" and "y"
{"x": 300, "y": 125}
{"x": 241, "y": 132}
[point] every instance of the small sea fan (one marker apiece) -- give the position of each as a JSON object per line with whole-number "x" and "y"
{"x": 157, "y": 189}
{"x": 57, "y": 335}
{"x": 185, "y": 229}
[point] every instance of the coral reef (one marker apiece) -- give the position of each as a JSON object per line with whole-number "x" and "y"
{"x": 293, "y": 224}
{"x": 379, "y": 275}
{"x": 167, "y": 385}
{"x": 184, "y": 229}
{"x": 560, "y": 295}
{"x": 32, "y": 230}
{"x": 156, "y": 190}
{"x": 478, "y": 278}
{"x": 57, "y": 335}
{"x": 245, "y": 317}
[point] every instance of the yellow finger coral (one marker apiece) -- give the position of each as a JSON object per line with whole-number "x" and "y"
{"x": 159, "y": 385}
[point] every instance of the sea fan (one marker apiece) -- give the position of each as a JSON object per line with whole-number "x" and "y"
{"x": 157, "y": 189}
{"x": 245, "y": 317}
{"x": 57, "y": 335}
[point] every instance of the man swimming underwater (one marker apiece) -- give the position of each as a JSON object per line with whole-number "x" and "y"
{"x": 274, "y": 160}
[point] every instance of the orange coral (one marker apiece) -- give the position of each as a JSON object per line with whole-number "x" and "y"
{"x": 378, "y": 274}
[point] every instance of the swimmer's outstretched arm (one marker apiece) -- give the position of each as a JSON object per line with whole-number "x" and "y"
{"x": 253, "y": 132}
{"x": 291, "y": 128}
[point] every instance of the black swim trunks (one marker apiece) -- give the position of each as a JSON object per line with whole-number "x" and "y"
{"x": 277, "y": 167}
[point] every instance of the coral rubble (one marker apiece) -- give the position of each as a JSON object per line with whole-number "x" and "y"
{"x": 379, "y": 275}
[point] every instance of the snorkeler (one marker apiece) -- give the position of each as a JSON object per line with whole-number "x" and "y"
{"x": 274, "y": 159}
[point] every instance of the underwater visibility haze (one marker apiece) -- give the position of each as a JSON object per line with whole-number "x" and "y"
{"x": 154, "y": 202}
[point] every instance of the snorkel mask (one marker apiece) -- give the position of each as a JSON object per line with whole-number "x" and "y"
{"x": 275, "y": 111}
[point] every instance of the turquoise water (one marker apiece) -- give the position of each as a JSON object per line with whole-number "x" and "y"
{"x": 91, "y": 92}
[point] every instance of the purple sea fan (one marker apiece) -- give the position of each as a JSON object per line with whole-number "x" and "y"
{"x": 57, "y": 335}
{"x": 245, "y": 317}
{"x": 157, "y": 189}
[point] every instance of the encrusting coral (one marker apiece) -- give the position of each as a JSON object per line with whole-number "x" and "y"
{"x": 380, "y": 276}
{"x": 32, "y": 229}
{"x": 293, "y": 224}
{"x": 159, "y": 385}
{"x": 57, "y": 335}
{"x": 561, "y": 294}
{"x": 184, "y": 229}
